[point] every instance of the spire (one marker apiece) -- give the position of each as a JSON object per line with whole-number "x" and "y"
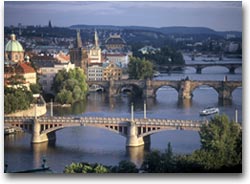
{"x": 96, "y": 40}
{"x": 78, "y": 39}
{"x": 13, "y": 37}
{"x": 50, "y": 25}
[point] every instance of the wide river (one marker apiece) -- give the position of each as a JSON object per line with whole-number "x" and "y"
{"x": 92, "y": 145}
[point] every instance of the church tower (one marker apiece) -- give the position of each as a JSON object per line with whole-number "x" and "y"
{"x": 95, "y": 52}
{"x": 78, "y": 54}
{"x": 78, "y": 39}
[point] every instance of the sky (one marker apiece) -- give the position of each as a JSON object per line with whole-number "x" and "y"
{"x": 220, "y": 15}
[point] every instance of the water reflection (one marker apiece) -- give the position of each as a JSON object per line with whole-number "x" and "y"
{"x": 136, "y": 154}
{"x": 39, "y": 152}
{"x": 184, "y": 103}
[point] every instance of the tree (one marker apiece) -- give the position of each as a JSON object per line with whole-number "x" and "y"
{"x": 220, "y": 144}
{"x": 125, "y": 166}
{"x": 140, "y": 68}
{"x": 35, "y": 88}
{"x": 70, "y": 86}
{"x": 16, "y": 99}
{"x": 85, "y": 167}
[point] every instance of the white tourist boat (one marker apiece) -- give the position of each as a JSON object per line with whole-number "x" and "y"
{"x": 209, "y": 110}
{"x": 9, "y": 130}
{"x": 156, "y": 74}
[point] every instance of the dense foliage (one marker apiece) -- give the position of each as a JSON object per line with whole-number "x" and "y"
{"x": 123, "y": 167}
{"x": 140, "y": 68}
{"x": 36, "y": 88}
{"x": 221, "y": 142}
{"x": 164, "y": 56}
{"x": 70, "y": 86}
{"x": 16, "y": 99}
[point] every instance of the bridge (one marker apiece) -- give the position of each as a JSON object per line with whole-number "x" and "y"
{"x": 198, "y": 67}
{"x": 137, "y": 131}
{"x": 185, "y": 88}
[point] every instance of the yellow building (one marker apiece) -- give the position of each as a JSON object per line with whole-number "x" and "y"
{"x": 112, "y": 72}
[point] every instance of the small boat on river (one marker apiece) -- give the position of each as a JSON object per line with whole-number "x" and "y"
{"x": 209, "y": 110}
{"x": 9, "y": 130}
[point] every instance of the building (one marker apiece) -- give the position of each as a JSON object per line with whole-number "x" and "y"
{"x": 14, "y": 50}
{"x": 95, "y": 73}
{"x": 94, "y": 56}
{"x": 62, "y": 58}
{"x": 16, "y": 65}
{"x": 78, "y": 54}
{"x": 119, "y": 58}
{"x": 115, "y": 42}
{"x": 148, "y": 50}
{"x": 48, "y": 72}
{"x": 233, "y": 47}
{"x": 112, "y": 71}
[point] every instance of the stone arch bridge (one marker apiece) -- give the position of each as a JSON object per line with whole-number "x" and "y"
{"x": 185, "y": 88}
{"x": 136, "y": 131}
{"x": 199, "y": 67}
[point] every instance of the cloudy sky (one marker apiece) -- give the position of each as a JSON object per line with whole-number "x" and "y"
{"x": 221, "y": 16}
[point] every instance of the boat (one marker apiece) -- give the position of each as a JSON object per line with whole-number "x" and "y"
{"x": 208, "y": 111}
{"x": 9, "y": 130}
{"x": 96, "y": 88}
{"x": 156, "y": 74}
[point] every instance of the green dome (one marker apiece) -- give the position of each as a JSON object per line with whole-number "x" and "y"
{"x": 13, "y": 45}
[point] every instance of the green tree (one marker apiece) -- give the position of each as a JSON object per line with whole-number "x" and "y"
{"x": 153, "y": 162}
{"x": 16, "y": 99}
{"x": 70, "y": 86}
{"x": 125, "y": 166}
{"x": 64, "y": 97}
{"x": 85, "y": 168}
{"x": 140, "y": 68}
{"x": 35, "y": 88}
{"x": 220, "y": 144}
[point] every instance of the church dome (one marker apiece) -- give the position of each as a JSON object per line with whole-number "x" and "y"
{"x": 13, "y": 45}
{"x": 115, "y": 39}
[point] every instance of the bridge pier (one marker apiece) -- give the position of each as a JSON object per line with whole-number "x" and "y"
{"x": 232, "y": 70}
{"x": 198, "y": 70}
{"x": 148, "y": 91}
{"x": 37, "y": 137}
{"x": 225, "y": 95}
{"x": 185, "y": 91}
{"x": 132, "y": 139}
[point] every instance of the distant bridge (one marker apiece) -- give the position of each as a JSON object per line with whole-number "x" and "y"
{"x": 185, "y": 88}
{"x": 137, "y": 131}
{"x": 198, "y": 67}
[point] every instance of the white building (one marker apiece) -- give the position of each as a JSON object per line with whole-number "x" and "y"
{"x": 121, "y": 59}
{"x": 233, "y": 47}
{"x": 148, "y": 50}
{"x": 95, "y": 73}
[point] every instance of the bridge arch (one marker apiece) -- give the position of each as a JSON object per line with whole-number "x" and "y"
{"x": 168, "y": 86}
{"x": 156, "y": 131}
{"x": 118, "y": 129}
{"x": 210, "y": 67}
{"x": 133, "y": 88}
{"x": 197, "y": 86}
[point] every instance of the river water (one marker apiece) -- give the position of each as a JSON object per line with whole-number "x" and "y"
{"x": 92, "y": 145}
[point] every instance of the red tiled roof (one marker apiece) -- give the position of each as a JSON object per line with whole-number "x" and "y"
{"x": 26, "y": 68}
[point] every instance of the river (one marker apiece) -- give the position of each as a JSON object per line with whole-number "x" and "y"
{"x": 92, "y": 145}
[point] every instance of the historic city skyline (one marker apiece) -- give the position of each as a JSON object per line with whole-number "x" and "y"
{"x": 220, "y": 16}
